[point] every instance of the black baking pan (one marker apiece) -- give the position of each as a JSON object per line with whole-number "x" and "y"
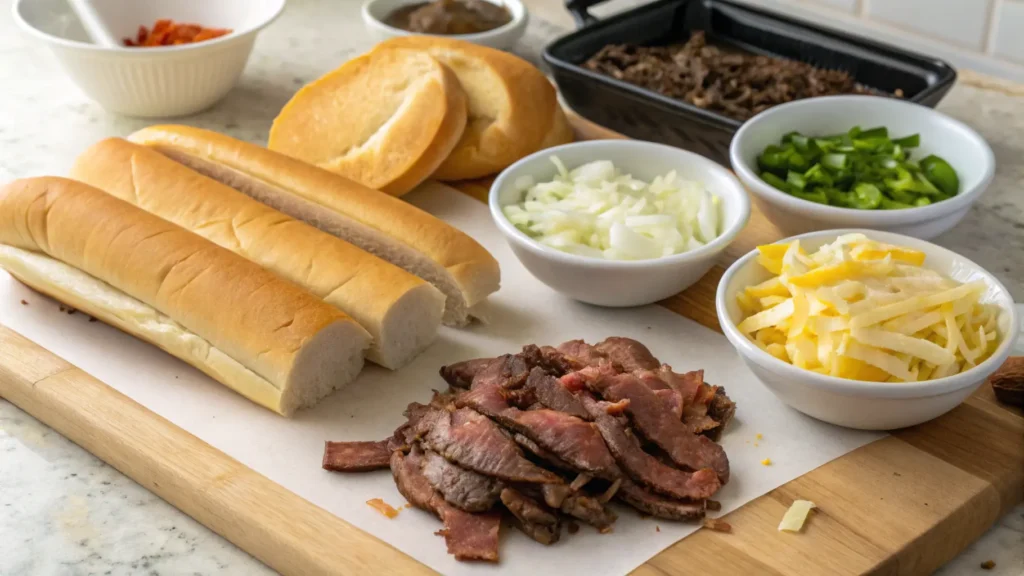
{"x": 641, "y": 113}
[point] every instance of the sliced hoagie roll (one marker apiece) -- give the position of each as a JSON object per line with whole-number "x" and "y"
{"x": 254, "y": 332}
{"x": 401, "y": 311}
{"x": 378, "y": 223}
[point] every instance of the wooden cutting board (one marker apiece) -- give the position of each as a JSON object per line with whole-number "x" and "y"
{"x": 903, "y": 505}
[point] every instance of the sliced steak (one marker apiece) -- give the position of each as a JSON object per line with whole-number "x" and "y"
{"x": 628, "y": 353}
{"x": 476, "y": 443}
{"x": 356, "y": 456}
{"x": 570, "y": 439}
{"x": 696, "y": 416}
{"x": 722, "y": 409}
{"x": 461, "y": 488}
{"x": 551, "y": 393}
{"x": 664, "y": 378}
{"x": 658, "y": 506}
{"x": 672, "y": 400}
{"x": 461, "y": 374}
{"x": 579, "y": 505}
{"x": 508, "y": 371}
{"x": 556, "y": 363}
{"x": 468, "y": 536}
{"x": 542, "y": 454}
{"x": 582, "y": 352}
{"x": 532, "y": 517}
{"x": 646, "y": 469}
{"x": 657, "y": 422}
{"x": 588, "y": 509}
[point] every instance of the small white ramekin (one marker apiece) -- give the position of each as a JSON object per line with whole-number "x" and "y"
{"x": 159, "y": 81}
{"x": 375, "y": 12}
{"x": 951, "y": 139}
{"x": 611, "y": 282}
{"x": 853, "y": 403}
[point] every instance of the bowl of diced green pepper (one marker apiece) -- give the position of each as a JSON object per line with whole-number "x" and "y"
{"x": 865, "y": 161}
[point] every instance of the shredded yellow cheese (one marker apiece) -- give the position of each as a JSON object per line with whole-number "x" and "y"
{"x": 865, "y": 310}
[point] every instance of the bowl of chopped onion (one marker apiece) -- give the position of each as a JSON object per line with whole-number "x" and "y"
{"x": 618, "y": 222}
{"x": 866, "y": 329}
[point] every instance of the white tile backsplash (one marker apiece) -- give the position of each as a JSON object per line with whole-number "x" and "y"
{"x": 985, "y": 36}
{"x": 1008, "y": 40}
{"x": 964, "y": 22}
{"x": 848, "y": 6}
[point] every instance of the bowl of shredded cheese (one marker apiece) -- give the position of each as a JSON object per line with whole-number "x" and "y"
{"x": 618, "y": 222}
{"x": 866, "y": 329}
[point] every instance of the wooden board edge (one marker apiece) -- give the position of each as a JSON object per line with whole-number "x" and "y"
{"x": 281, "y": 529}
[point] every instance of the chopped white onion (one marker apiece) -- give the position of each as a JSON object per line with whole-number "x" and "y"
{"x": 595, "y": 210}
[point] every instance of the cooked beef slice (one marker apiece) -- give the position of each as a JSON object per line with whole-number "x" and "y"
{"x": 541, "y": 454}
{"x": 583, "y": 352}
{"x": 552, "y": 394}
{"x": 672, "y": 400}
{"x": 686, "y": 384}
{"x": 532, "y": 517}
{"x": 659, "y": 506}
{"x": 657, "y": 422}
{"x": 695, "y": 414}
{"x": 570, "y": 439}
{"x": 468, "y": 536}
{"x": 356, "y": 456}
{"x": 646, "y": 469}
{"x": 508, "y": 371}
{"x": 722, "y": 409}
{"x": 461, "y": 374}
{"x": 557, "y": 363}
{"x": 461, "y": 488}
{"x": 628, "y": 353}
{"x": 476, "y": 443}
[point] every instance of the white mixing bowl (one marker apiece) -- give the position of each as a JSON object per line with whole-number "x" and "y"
{"x": 158, "y": 81}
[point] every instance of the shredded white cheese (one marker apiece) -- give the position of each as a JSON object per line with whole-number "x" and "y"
{"x": 795, "y": 517}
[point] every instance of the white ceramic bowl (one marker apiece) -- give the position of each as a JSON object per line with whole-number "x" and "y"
{"x": 852, "y": 403}
{"x": 951, "y": 139}
{"x": 610, "y": 282}
{"x": 151, "y": 82}
{"x": 502, "y": 38}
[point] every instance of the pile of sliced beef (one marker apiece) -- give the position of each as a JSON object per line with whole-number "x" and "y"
{"x": 730, "y": 82}
{"x": 550, "y": 436}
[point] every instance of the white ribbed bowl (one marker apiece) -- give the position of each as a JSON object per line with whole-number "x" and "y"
{"x": 151, "y": 82}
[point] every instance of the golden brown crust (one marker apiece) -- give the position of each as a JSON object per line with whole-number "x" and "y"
{"x": 470, "y": 264}
{"x": 511, "y": 105}
{"x": 209, "y": 290}
{"x": 360, "y": 284}
{"x": 386, "y": 119}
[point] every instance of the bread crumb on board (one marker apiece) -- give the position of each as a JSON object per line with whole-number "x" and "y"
{"x": 988, "y": 565}
{"x": 382, "y": 507}
{"x": 24, "y": 303}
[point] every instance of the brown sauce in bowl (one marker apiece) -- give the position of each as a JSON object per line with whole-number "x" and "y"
{"x": 449, "y": 17}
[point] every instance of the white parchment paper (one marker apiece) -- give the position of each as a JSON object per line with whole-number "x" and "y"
{"x": 525, "y": 311}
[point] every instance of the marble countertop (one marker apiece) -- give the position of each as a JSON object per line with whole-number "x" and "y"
{"x": 64, "y": 512}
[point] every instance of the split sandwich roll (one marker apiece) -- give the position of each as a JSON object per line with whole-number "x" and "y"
{"x": 400, "y": 311}
{"x": 513, "y": 108}
{"x": 387, "y": 119}
{"x": 254, "y": 332}
{"x": 376, "y": 222}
